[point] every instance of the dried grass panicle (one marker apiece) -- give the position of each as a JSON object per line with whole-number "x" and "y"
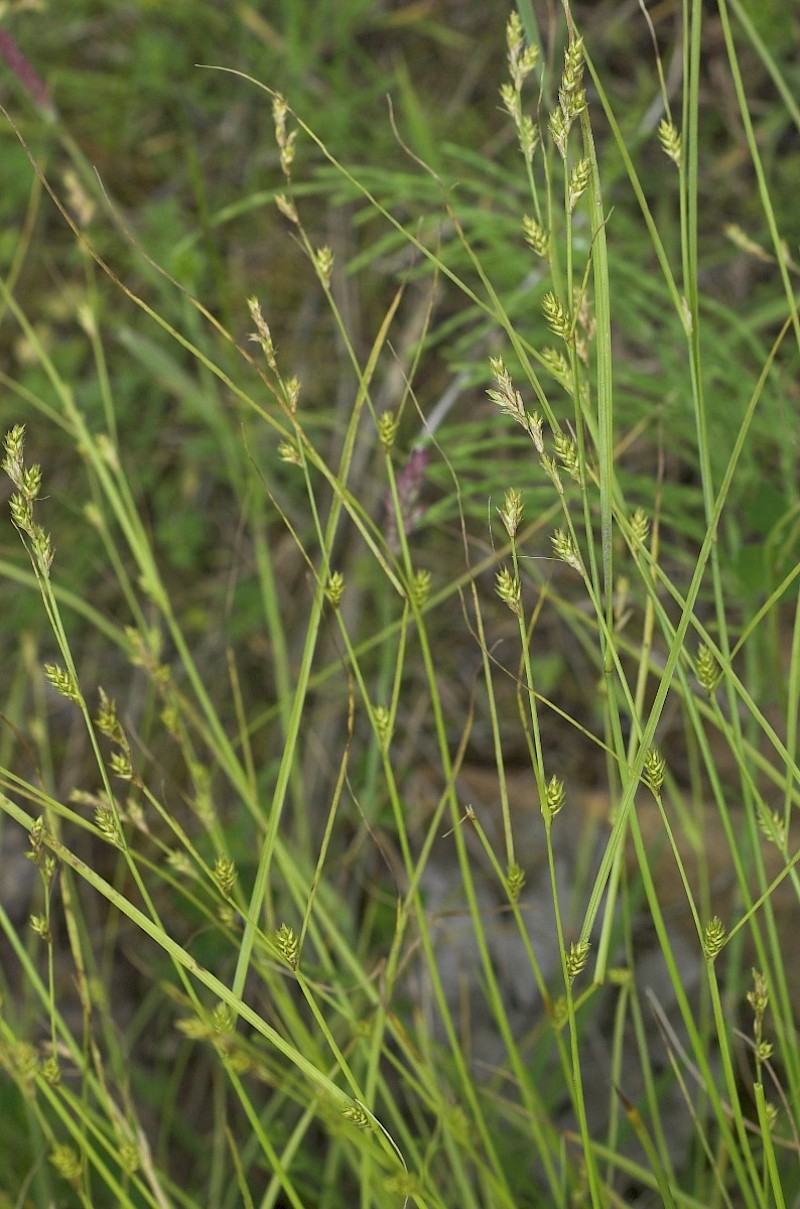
{"x": 285, "y": 139}
{"x": 509, "y": 400}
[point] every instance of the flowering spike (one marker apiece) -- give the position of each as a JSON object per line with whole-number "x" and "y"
{"x": 655, "y": 766}
{"x": 713, "y": 938}
{"x": 579, "y": 179}
{"x": 556, "y": 316}
{"x": 357, "y": 1116}
{"x": 13, "y": 462}
{"x": 63, "y": 682}
{"x": 564, "y": 548}
{"x": 670, "y": 139}
{"x": 535, "y": 235}
{"x": 554, "y": 799}
{"x": 576, "y": 958}
{"x": 286, "y": 944}
{"x": 640, "y": 526}
{"x": 383, "y": 726}
{"x": 388, "y": 425}
{"x": 224, "y": 875}
{"x": 284, "y": 140}
{"x": 420, "y": 587}
{"x": 708, "y": 672}
{"x": 323, "y": 262}
{"x": 515, "y": 881}
{"x": 528, "y": 137}
{"x": 567, "y": 455}
{"x": 262, "y": 334}
{"x": 509, "y": 591}
{"x": 335, "y": 589}
{"x": 511, "y": 512}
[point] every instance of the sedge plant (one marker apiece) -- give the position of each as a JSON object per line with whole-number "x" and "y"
{"x": 259, "y": 850}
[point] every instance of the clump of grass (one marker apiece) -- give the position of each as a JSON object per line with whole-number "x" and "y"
{"x": 262, "y": 840}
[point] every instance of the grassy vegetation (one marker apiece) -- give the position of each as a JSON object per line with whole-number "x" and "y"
{"x": 402, "y": 654}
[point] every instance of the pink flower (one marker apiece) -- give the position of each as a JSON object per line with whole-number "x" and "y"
{"x": 409, "y": 485}
{"x": 35, "y": 88}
